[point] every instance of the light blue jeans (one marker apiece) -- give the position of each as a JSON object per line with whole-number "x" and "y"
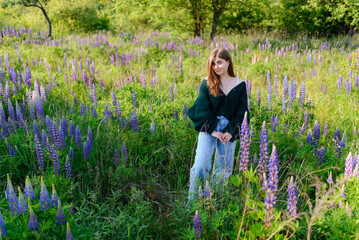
{"x": 223, "y": 162}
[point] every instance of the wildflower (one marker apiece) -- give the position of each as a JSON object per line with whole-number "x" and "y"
{"x": 310, "y": 138}
{"x": 124, "y": 152}
{"x": 2, "y": 226}
{"x": 55, "y": 160}
{"x": 60, "y": 216}
{"x": 153, "y": 128}
{"x": 68, "y": 233}
{"x": 325, "y": 131}
{"x": 316, "y": 134}
{"x": 175, "y": 114}
{"x": 134, "y": 121}
{"x": 29, "y": 191}
{"x": 197, "y": 225}
{"x": 263, "y": 150}
{"x": 184, "y": 111}
{"x": 82, "y": 109}
{"x": 44, "y": 197}
{"x": 207, "y": 190}
{"x": 78, "y": 136}
{"x": 341, "y": 204}
{"x": 54, "y": 197}
{"x": 343, "y": 141}
{"x": 349, "y": 210}
{"x": 171, "y": 93}
{"x": 113, "y": 97}
{"x": 273, "y": 170}
{"x": 11, "y": 196}
{"x": 134, "y": 101}
{"x": 244, "y": 145}
{"x": 302, "y": 94}
{"x": 269, "y": 200}
{"x": 320, "y": 155}
{"x": 292, "y": 199}
{"x": 33, "y": 223}
{"x": 10, "y": 148}
{"x": 348, "y": 166}
{"x": 39, "y": 154}
{"x": 68, "y": 168}
{"x": 258, "y": 97}
{"x": 330, "y": 178}
{"x": 200, "y": 192}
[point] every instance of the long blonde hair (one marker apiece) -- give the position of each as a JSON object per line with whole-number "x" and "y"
{"x": 213, "y": 79}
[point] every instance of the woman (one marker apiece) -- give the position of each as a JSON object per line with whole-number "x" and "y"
{"x": 217, "y": 114}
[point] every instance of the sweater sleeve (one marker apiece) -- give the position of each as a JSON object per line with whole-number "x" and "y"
{"x": 201, "y": 113}
{"x": 233, "y": 126}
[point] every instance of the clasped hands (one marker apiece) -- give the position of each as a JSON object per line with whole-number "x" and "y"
{"x": 223, "y": 137}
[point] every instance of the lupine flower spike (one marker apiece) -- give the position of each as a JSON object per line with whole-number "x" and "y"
{"x": 33, "y": 223}
{"x": 44, "y": 197}
{"x": 342, "y": 192}
{"x": 68, "y": 233}
{"x": 22, "y": 202}
{"x": 2, "y": 226}
{"x": 245, "y": 145}
{"x": 207, "y": 190}
{"x": 348, "y": 166}
{"x": 197, "y": 225}
{"x": 29, "y": 191}
{"x": 60, "y": 216}
{"x": 54, "y": 197}
{"x": 292, "y": 199}
{"x": 200, "y": 192}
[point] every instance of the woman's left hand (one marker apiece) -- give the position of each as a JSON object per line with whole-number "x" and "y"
{"x": 226, "y": 137}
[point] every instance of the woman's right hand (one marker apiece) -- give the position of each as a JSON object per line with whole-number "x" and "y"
{"x": 218, "y": 135}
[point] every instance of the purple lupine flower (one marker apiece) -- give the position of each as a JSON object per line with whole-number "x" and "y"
{"x": 349, "y": 210}
{"x": 55, "y": 160}
{"x": 134, "y": 121}
{"x": 11, "y": 125}
{"x": 153, "y": 128}
{"x": 5, "y": 131}
{"x": 197, "y": 225}
{"x": 171, "y": 93}
{"x": 39, "y": 154}
{"x": 22, "y": 203}
{"x": 325, "y": 131}
{"x": 60, "y": 216}
{"x": 94, "y": 112}
{"x": 292, "y": 199}
{"x": 121, "y": 122}
{"x": 175, "y": 114}
{"x": 11, "y": 196}
{"x": 269, "y": 201}
{"x": 32, "y": 111}
{"x": 273, "y": 124}
{"x": 62, "y": 142}
{"x": 19, "y": 116}
{"x": 10, "y": 148}
{"x": 184, "y": 111}
{"x": 306, "y": 118}
{"x": 349, "y": 166}
{"x": 2, "y": 112}
{"x": 341, "y": 204}
{"x": 36, "y": 130}
{"x": 355, "y": 132}
{"x": 124, "y": 152}
{"x": 55, "y": 135}
{"x": 90, "y": 137}
{"x": 310, "y": 138}
{"x": 113, "y": 97}
{"x": 343, "y": 141}
{"x": 330, "y": 178}
{"x": 33, "y": 223}
{"x": 134, "y": 101}
{"x": 116, "y": 157}
{"x": 54, "y": 197}
{"x": 78, "y": 136}
{"x": 337, "y": 135}
{"x": 321, "y": 155}
{"x": 302, "y": 94}
{"x": 49, "y": 126}
{"x": 82, "y": 109}
{"x": 207, "y": 190}
{"x": 44, "y": 197}
{"x": 316, "y": 134}
{"x": 29, "y": 191}
{"x": 273, "y": 169}
{"x": 11, "y": 111}
{"x": 69, "y": 235}
{"x": 342, "y": 192}
{"x": 263, "y": 151}
{"x": 68, "y": 169}
{"x": 245, "y": 145}
{"x": 2, "y": 226}
{"x": 86, "y": 150}
{"x": 40, "y": 109}
{"x": 200, "y": 192}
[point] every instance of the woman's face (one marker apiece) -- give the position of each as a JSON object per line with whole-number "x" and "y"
{"x": 220, "y": 66}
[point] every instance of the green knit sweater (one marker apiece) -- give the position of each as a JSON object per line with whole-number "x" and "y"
{"x": 207, "y": 107}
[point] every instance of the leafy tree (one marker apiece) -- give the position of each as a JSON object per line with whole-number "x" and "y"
{"x": 39, "y": 4}
{"x": 218, "y": 8}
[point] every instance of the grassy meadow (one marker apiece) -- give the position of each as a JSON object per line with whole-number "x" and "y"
{"x": 98, "y": 126}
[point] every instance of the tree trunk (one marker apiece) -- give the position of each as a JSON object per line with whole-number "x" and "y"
{"x": 214, "y": 23}
{"x": 48, "y": 21}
